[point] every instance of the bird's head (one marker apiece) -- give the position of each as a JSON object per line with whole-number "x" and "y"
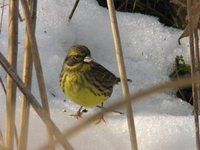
{"x": 78, "y": 54}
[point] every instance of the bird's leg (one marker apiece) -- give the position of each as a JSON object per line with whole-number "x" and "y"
{"x": 78, "y": 114}
{"x": 101, "y": 117}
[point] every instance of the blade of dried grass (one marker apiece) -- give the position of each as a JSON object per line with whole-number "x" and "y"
{"x": 32, "y": 100}
{"x": 183, "y": 82}
{"x": 122, "y": 72}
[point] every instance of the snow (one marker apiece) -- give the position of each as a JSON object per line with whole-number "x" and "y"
{"x": 163, "y": 122}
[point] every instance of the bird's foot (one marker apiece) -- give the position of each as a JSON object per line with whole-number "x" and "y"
{"x": 78, "y": 114}
{"x": 100, "y": 119}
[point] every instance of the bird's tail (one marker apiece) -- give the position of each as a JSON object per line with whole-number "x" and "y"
{"x": 129, "y": 80}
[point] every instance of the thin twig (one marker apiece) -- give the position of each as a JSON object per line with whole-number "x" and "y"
{"x": 33, "y": 101}
{"x": 73, "y": 10}
{"x": 184, "y": 82}
{"x": 122, "y": 72}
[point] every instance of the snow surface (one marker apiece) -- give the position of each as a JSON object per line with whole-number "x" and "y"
{"x": 163, "y": 122}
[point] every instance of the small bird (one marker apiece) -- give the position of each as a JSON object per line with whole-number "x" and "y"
{"x": 84, "y": 81}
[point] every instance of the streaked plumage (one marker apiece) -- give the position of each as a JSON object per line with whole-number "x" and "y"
{"x": 84, "y": 81}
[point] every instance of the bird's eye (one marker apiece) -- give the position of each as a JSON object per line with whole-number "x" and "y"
{"x": 77, "y": 56}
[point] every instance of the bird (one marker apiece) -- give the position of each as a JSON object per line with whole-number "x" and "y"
{"x": 84, "y": 81}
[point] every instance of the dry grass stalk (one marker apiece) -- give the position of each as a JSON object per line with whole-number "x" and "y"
{"x": 37, "y": 63}
{"x": 19, "y": 16}
{"x": 2, "y": 146}
{"x": 34, "y": 103}
{"x": 1, "y": 136}
{"x": 196, "y": 41}
{"x": 183, "y": 82}
{"x": 195, "y": 15}
{"x": 11, "y": 87}
{"x": 27, "y": 79}
{"x": 122, "y": 72}
{"x": 2, "y": 11}
{"x": 195, "y": 64}
{"x": 73, "y": 10}
{"x": 16, "y": 136}
{"x": 4, "y": 89}
{"x": 181, "y": 3}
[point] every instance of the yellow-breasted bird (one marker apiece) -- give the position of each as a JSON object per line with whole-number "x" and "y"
{"x": 84, "y": 81}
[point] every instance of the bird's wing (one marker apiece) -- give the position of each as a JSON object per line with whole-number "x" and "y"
{"x": 102, "y": 79}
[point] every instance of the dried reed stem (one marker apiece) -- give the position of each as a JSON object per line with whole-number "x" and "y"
{"x": 122, "y": 72}
{"x": 183, "y": 82}
{"x": 194, "y": 72}
{"x": 27, "y": 79}
{"x": 34, "y": 103}
{"x": 11, "y": 87}
{"x": 73, "y": 10}
{"x": 37, "y": 63}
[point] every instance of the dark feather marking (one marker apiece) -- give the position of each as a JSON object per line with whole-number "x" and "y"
{"x": 102, "y": 79}
{"x": 63, "y": 80}
{"x": 91, "y": 90}
{"x": 91, "y": 80}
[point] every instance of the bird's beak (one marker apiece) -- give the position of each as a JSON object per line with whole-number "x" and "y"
{"x": 87, "y": 59}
